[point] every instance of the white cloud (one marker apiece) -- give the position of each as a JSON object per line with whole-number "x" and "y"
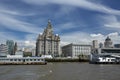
{"x": 115, "y": 34}
{"x": 10, "y": 19}
{"x": 85, "y": 38}
{"x": 25, "y": 44}
{"x": 76, "y": 37}
{"x": 7, "y": 36}
{"x": 12, "y": 12}
{"x": 17, "y": 25}
{"x": 62, "y": 43}
{"x": 86, "y": 4}
{"x": 31, "y": 36}
{"x": 64, "y": 10}
{"x": 111, "y": 22}
{"x": 29, "y": 43}
{"x": 65, "y": 26}
{"x": 96, "y": 35}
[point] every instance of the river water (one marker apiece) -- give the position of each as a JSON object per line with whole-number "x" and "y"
{"x": 60, "y": 71}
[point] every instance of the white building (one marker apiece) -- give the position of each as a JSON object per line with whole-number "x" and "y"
{"x": 95, "y": 44}
{"x": 19, "y": 53}
{"x": 74, "y": 50}
{"x": 3, "y": 50}
{"x": 33, "y": 52}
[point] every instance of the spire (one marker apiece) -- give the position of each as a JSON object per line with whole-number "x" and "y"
{"x": 49, "y": 24}
{"x": 49, "y": 20}
{"x": 39, "y": 36}
{"x": 15, "y": 47}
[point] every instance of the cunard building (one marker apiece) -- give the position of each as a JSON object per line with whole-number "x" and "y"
{"x": 48, "y": 43}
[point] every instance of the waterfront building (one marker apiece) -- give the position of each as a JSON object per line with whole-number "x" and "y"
{"x": 3, "y": 50}
{"x": 106, "y": 54}
{"x": 27, "y": 51}
{"x": 108, "y": 51}
{"x": 108, "y": 43}
{"x": 33, "y": 52}
{"x": 19, "y": 53}
{"x": 10, "y": 45}
{"x": 101, "y": 45}
{"x": 74, "y": 50}
{"x": 95, "y": 44}
{"x": 117, "y": 45}
{"x": 48, "y": 43}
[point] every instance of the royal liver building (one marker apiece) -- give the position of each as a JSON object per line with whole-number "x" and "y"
{"x": 48, "y": 43}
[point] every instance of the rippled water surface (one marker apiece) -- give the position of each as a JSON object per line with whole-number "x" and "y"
{"x": 60, "y": 71}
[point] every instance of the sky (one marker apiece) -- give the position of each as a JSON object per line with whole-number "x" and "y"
{"x": 76, "y": 21}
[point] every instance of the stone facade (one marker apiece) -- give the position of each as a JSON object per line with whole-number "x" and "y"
{"x": 108, "y": 43}
{"x": 48, "y": 43}
{"x": 95, "y": 44}
{"x": 74, "y": 50}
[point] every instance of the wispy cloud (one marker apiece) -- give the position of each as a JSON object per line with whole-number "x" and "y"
{"x": 65, "y": 26}
{"x": 85, "y": 38}
{"x": 31, "y": 37}
{"x": 76, "y": 37}
{"x": 9, "y": 20}
{"x": 111, "y": 22}
{"x": 7, "y": 36}
{"x": 12, "y": 12}
{"x": 17, "y": 25}
{"x": 65, "y": 21}
{"x": 86, "y": 4}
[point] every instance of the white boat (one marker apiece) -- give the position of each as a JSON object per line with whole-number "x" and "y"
{"x": 101, "y": 59}
{"x": 22, "y": 60}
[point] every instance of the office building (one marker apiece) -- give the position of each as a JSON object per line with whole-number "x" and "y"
{"x": 117, "y": 45}
{"x": 108, "y": 48}
{"x": 10, "y": 45}
{"x": 3, "y": 50}
{"x": 101, "y": 45}
{"x": 74, "y": 50}
{"x": 95, "y": 44}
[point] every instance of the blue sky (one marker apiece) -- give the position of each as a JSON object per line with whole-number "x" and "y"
{"x": 76, "y": 21}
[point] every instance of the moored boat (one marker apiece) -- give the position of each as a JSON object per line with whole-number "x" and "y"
{"x": 22, "y": 60}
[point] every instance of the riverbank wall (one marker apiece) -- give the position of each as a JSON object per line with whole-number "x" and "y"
{"x": 67, "y": 60}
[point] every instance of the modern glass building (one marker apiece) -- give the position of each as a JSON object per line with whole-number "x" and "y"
{"x": 10, "y": 45}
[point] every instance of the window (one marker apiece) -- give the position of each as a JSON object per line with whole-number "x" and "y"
{"x": 11, "y": 59}
{"x": 27, "y": 60}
